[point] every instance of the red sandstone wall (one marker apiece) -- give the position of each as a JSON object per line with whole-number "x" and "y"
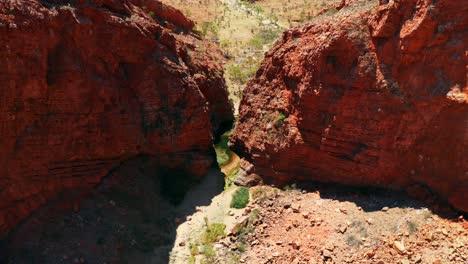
{"x": 372, "y": 96}
{"x": 85, "y": 85}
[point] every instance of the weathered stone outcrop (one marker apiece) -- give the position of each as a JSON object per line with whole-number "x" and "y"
{"x": 88, "y": 84}
{"x": 372, "y": 96}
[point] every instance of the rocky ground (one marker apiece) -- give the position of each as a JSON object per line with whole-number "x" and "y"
{"x": 333, "y": 225}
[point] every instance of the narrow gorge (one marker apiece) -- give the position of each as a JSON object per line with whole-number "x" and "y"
{"x": 233, "y": 131}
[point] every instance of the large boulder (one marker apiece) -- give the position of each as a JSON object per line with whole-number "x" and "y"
{"x": 88, "y": 84}
{"x": 375, "y": 95}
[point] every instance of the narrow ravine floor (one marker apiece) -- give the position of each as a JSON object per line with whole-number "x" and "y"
{"x": 126, "y": 219}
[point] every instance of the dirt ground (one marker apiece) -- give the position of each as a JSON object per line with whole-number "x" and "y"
{"x": 295, "y": 12}
{"x": 333, "y": 225}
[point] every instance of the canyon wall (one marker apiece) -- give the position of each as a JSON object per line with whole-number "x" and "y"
{"x": 374, "y": 95}
{"x": 88, "y": 84}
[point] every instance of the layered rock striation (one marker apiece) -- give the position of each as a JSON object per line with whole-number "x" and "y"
{"x": 88, "y": 84}
{"x": 374, "y": 95}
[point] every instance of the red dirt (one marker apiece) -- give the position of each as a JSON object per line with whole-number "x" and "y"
{"x": 347, "y": 227}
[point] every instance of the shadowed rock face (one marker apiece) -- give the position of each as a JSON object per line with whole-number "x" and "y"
{"x": 373, "y": 96}
{"x": 86, "y": 85}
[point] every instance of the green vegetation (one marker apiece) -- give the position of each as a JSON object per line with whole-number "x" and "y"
{"x": 280, "y": 119}
{"x": 229, "y": 180}
{"x": 223, "y": 153}
{"x": 353, "y": 241}
{"x": 242, "y": 72}
{"x": 247, "y": 227}
{"x": 412, "y": 227}
{"x": 262, "y": 193}
{"x": 213, "y": 232}
{"x": 151, "y": 14}
{"x": 291, "y": 187}
{"x": 253, "y": 6}
{"x": 210, "y": 254}
{"x": 264, "y": 37}
{"x": 240, "y": 198}
{"x": 209, "y": 29}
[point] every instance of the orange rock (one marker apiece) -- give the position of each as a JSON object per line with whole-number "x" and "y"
{"x": 367, "y": 97}
{"x": 86, "y": 85}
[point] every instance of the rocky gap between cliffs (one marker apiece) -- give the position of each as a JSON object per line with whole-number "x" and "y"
{"x": 141, "y": 213}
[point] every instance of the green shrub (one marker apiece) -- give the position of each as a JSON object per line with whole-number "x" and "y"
{"x": 240, "y": 198}
{"x": 264, "y": 37}
{"x": 213, "y": 232}
{"x": 151, "y": 14}
{"x": 209, "y": 27}
{"x": 241, "y": 73}
{"x": 280, "y": 119}
{"x": 208, "y": 251}
{"x": 223, "y": 153}
{"x": 229, "y": 180}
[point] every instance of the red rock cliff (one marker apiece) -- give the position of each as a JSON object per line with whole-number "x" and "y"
{"x": 372, "y": 96}
{"x": 87, "y": 84}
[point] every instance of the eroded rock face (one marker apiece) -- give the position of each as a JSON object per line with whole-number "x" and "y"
{"x": 88, "y": 84}
{"x": 373, "y": 96}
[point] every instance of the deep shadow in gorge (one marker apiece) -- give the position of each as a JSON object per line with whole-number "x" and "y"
{"x": 131, "y": 217}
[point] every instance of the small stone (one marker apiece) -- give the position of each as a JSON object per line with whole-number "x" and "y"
{"x": 404, "y": 261}
{"x": 305, "y": 215}
{"x": 369, "y": 254}
{"x": 182, "y": 244}
{"x": 279, "y": 242}
{"x": 295, "y": 223}
{"x": 275, "y": 254}
{"x": 230, "y": 213}
{"x": 218, "y": 246}
{"x": 385, "y": 209}
{"x": 369, "y": 221}
{"x": 444, "y": 231}
{"x": 296, "y": 208}
{"x": 399, "y": 246}
{"x": 326, "y": 253}
{"x": 255, "y": 242}
{"x": 417, "y": 259}
{"x": 343, "y": 229}
{"x": 296, "y": 245}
